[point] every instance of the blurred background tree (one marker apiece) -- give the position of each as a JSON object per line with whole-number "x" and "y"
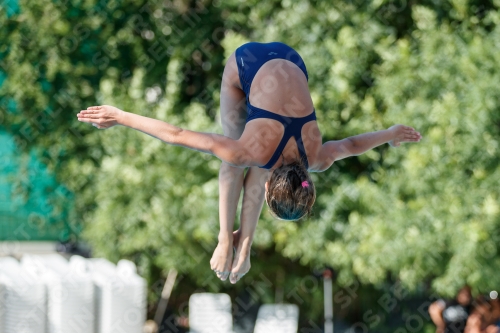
{"x": 423, "y": 216}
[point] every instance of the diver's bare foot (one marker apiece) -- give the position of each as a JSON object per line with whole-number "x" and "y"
{"x": 223, "y": 257}
{"x": 241, "y": 261}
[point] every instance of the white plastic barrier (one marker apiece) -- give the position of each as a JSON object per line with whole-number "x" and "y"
{"x": 48, "y": 294}
{"x": 277, "y": 318}
{"x": 120, "y": 296}
{"x": 22, "y": 299}
{"x": 210, "y": 313}
{"x": 3, "y": 307}
{"x": 70, "y": 302}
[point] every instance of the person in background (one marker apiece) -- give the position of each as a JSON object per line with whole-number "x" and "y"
{"x": 485, "y": 316}
{"x": 451, "y": 316}
{"x": 480, "y": 316}
{"x": 494, "y": 323}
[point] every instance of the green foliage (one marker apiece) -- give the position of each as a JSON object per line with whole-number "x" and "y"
{"x": 420, "y": 213}
{"x": 428, "y": 210}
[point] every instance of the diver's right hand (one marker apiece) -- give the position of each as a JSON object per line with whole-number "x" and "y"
{"x": 102, "y": 117}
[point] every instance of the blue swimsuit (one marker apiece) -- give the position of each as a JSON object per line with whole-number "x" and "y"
{"x": 250, "y": 57}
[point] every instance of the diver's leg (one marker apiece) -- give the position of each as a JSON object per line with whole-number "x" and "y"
{"x": 253, "y": 199}
{"x": 233, "y": 115}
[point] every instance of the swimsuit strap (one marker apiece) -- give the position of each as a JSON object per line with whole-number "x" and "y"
{"x": 292, "y": 127}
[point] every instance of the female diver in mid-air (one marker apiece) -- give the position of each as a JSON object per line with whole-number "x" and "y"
{"x": 270, "y": 127}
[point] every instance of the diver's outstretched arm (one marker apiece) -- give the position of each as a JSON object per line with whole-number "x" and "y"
{"x": 356, "y": 145}
{"x": 223, "y": 147}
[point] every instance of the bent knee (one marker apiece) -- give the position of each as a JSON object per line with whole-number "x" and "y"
{"x": 230, "y": 173}
{"x": 231, "y": 168}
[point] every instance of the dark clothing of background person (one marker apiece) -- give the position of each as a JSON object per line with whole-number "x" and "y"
{"x": 455, "y": 316}
{"x": 451, "y": 316}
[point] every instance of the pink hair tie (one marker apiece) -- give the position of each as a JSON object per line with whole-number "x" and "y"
{"x": 305, "y": 183}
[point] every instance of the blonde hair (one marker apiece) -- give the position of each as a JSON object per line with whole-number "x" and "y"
{"x": 288, "y": 196}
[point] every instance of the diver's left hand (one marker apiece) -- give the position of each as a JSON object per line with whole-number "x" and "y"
{"x": 402, "y": 133}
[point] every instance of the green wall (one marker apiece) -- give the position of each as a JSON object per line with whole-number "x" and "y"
{"x": 32, "y": 205}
